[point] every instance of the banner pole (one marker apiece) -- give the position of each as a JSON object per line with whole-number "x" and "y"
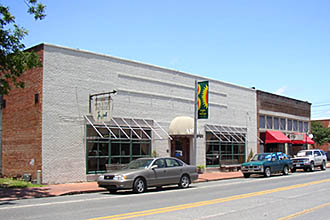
{"x": 195, "y": 125}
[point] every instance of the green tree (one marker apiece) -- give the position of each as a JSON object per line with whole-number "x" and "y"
{"x": 321, "y": 134}
{"x": 13, "y": 59}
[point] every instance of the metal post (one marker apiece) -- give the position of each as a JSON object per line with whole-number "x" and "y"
{"x": 195, "y": 124}
{"x": 38, "y": 177}
{"x": 306, "y": 140}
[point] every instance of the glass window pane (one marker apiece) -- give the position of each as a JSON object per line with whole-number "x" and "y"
{"x": 125, "y": 160}
{"x": 136, "y": 150}
{"x": 301, "y": 128}
{"x": 92, "y": 149}
{"x": 305, "y": 127}
{"x": 295, "y": 125}
{"x": 289, "y": 125}
{"x": 269, "y": 122}
{"x": 125, "y": 149}
{"x": 276, "y": 123}
{"x": 262, "y": 122}
{"x": 115, "y": 149}
{"x": 102, "y": 162}
{"x": 282, "y": 124}
{"x": 103, "y": 149}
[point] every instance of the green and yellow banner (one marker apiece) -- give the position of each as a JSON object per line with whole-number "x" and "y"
{"x": 203, "y": 100}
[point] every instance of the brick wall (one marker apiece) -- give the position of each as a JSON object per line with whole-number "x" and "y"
{"x": 277, "y": 103}
{"x": 21, "y": 125}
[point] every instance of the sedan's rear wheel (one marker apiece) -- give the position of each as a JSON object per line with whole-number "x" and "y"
{"x": 139, "y": 185}
{"x": 184, "y": 181}
{"x": 267, "y": 172}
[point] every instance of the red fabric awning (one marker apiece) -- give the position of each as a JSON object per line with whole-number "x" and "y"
{"x": 276, "y": 137}
{"x": 306, "y": 139}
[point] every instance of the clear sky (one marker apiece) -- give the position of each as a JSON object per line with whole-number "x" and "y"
{"x": 278, "y": 46}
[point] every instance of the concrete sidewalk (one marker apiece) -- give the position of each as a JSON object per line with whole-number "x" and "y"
{"x": 88, "y": 187}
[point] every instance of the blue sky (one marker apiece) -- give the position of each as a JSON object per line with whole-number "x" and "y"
{"x": 278, "y": 46}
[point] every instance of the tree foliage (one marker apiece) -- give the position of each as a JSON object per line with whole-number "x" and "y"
{"x": 13, "y": 59}
{"x": 321, "y": 134}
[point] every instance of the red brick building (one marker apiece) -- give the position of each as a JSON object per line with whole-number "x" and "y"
{"x": 21, "y": 124}
{"x": 283, "y": 123}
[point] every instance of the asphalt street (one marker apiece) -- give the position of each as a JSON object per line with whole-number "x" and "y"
{"x": 296, "y": 196}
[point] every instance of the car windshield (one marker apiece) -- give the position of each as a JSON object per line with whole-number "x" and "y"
{"x": 140, "y": 163}
{"x": 304, "y": 153}
{"x": 261, "y": 157}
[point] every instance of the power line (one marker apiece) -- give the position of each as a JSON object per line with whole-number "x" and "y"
{"x": 321, "y": 105}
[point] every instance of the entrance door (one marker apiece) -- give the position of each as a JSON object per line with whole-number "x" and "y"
{"x": 180, "y": 148}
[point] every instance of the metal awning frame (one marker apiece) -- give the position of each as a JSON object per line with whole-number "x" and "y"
{"x": 232, "y": 131}
{"x": 132, "y": 128}
{"x": 227, "y": 131}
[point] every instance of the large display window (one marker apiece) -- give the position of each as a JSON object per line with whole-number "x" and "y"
{"x": 224, "y": 147}
{"x": 117, "y": 148}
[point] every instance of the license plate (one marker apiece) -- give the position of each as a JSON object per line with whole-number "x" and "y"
{"x": 298, "y": 165}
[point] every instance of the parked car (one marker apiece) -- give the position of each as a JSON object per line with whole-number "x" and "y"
{"x": 149, "y": 172}
{"x": 309, "y": 159}
{"x": 266, "y": 164}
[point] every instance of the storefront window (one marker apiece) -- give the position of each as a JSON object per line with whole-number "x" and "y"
{"x": 118, "y": 149}
{"x": 227, "y": 149}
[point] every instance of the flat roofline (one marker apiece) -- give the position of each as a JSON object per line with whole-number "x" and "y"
{"x": 269, "y": 93}
{"x": 198, "y": 77}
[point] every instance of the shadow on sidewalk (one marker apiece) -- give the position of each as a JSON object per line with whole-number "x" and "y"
{"x": 25, "y": 193}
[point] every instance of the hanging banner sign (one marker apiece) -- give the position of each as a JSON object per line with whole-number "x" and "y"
{"x": 203, "y": 100}
{"x": 101, "y": 111}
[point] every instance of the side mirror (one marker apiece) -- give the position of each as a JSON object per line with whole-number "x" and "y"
{"x": 153, "y": 167}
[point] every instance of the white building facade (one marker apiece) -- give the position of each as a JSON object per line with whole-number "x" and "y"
{"x": 148, "y": 99}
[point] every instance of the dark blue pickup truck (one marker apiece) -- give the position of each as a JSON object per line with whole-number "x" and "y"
{"x": 266, "y": 164}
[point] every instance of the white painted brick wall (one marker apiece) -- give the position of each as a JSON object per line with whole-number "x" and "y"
{"x": 144, "y": 91}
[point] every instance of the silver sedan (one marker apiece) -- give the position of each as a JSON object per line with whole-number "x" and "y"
{"x": 149, "y": 172}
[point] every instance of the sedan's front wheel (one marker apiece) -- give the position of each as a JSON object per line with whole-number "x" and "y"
{"x": 184, "y": 181}
{"x": 139, "y": 185}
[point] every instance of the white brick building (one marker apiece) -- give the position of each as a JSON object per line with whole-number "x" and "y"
{"x": 72, "y": 149}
